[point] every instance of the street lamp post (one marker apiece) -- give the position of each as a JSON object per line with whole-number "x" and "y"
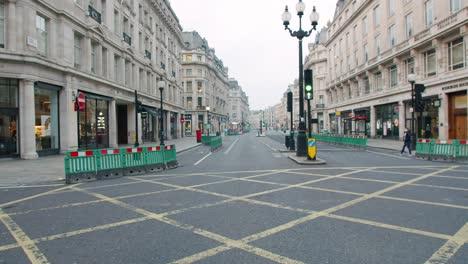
{"x": 412, "y": 80}
{"x": 300, "y": 34}
{"x": 161, "y": 85}
{"x": 208, "y": 117}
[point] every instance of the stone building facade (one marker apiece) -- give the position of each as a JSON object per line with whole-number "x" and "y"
{"x": 372, "y": 46}
{"x": 206, "y": 86}
{"x": 238, "y": 105}
{"x": 51, "y": 51}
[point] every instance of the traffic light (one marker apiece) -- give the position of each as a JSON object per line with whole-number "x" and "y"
{"x": 290, "y": 97}
{"x": 418, "y": 101}
{"x": 308, "y": 84}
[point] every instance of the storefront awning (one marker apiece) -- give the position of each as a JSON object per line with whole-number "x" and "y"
{"x": 150, "y": 110}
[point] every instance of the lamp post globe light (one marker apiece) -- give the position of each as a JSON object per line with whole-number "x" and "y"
{"x": 412, "y": 80}
{"x": 161, "y": 85}
{"x": 300, "y": 34}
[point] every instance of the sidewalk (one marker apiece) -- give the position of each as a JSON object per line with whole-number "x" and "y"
{"x": 50, "y": 169}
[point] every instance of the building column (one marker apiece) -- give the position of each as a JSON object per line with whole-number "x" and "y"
{"x": 27, "y": 120}
{"x": 372, "y": 122}
{"x": 68, "y": 118}
{"x": 11, "y": 26}
{"x": 340, "y": 125}
{"x": 401, "y": 117}
{"x": 131, "y": 123}
{"x": 353, "y": 123}
{"x": 112, "y": 124}
{"x": 444, "y": 117}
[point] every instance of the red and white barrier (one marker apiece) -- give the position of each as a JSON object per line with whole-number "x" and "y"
{"x": 110, "y": 151}
{"x": 81, "y": 154}
{"x": 134, "y": 150}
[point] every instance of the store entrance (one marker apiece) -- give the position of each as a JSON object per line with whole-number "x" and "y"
{"x": 122, "y": 126}
{"x": 8, "y": 132}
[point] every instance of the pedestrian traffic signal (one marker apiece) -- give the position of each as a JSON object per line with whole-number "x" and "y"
{"x": 308, "y": 84}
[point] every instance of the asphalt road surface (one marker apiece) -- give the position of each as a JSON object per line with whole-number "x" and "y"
{"x": 248, "y": 203}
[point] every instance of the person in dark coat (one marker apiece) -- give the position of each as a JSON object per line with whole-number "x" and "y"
{"x": 407, "y": 142}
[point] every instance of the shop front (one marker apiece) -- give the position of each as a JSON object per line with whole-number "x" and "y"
{"x": 458, "y": 108}
{"x": 173, "y": 119}
{"x": 333, "y": 123}
{"x": 149, "y": 123}
{"x": 93, "y": 123}
{"x": 8, "y": 117}
{"x": 188, "y": 125}
{"x": 46, "y": 104}
{"x": 362, "y": 124}
{"x": 346, "y": 120}
{"x": 387, "y": 121}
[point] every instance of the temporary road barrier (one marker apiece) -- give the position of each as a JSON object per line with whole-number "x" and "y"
{"x": 424, "y": 148}
{"x": 443, "y": 150}
{"x": 110, "y": 163}
{"x": 216, "y": 143}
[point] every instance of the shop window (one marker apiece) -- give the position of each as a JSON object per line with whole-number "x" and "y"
{"x": 456, "y": 51}
{"x": 93, "y": 124}
{"x": 46, "y": 120}
{"x": 8, "y": 116}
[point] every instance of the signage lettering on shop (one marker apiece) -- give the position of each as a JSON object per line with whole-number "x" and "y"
{"x": 455, "y": 86}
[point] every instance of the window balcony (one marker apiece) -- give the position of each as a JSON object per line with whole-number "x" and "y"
{"x": 147, "y": 54}
{"x": 93, "y": 13}
{"x": 127, "y": 38}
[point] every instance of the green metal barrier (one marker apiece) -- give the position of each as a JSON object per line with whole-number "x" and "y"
{"x": 80, "y": 166}
{"x": 443, "y": 150}
{"x": 111, "y": 163}
{"x": 216, "y": 143}
{"x": 357, "y": 141}
{"x": 170, "y": 158}
{"x": 424, "y": 148}
{"x": 461, "y": 150}
{"x": 206, "y": 139}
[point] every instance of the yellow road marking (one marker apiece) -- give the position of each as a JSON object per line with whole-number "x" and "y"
{"x": 208, "y": 234}
{"x": 29, "y": 247}
{"x": 35, "y": 196}
{"x": 202, "y": 255}
{"x": 423, "y": 202}
{"x": 450, "y": 248}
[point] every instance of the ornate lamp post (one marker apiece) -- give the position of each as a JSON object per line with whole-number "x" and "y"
{"x": 412, "y": 80}
{"x": 161, "y": 85}
{"x": 300, "y": 34}
{"x": 208, "y": 117}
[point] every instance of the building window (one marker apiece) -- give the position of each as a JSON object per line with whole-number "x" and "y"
{"x": 78, "y": 39}
{"x": 364, "y": 26}
{"x": 366, "y": 85}
{"x": 200, "y": 101}
{"x": 393, "y": 73}
{"x": 41, "y": 30}
{"x": 391, "y": 7}
{"x": 409, "y": 63}
{"x": 377, "y": 45}
{"x": 347, "y": 42}
{"x": 116, "y": 22}
{"x": 189, "y": 103}
{"x": 409, "y": 26}
{"x": 189, "y": 87}
{"x": 456, "y": 54}
{"x": 430, "y": 62}
{"x": 356, "y": 58}
{"x": 104, "y": 62}
{"x": 200, "y": 72}
{"x": 378, "y": 81}
{"x": 127, "y": 73}
{"x": 2, "y": 24}
{"x": 429, "y": 13}
{"x": 377, "y": 15}
{"x": 199, "y": 58}
{"x": 392, "y": 36}
{"x": 366, "y": 53}
{"x": 200, "y": 86}
{"x": 188, "y": 58}
{"x": 116, "y": 68}
{"x": 455, "y": 5}
{"x": 188, "y": 72}
{"x": 355, "y": 33}
{"x": 103, "y": 11}
{"x": 93, "y": 57}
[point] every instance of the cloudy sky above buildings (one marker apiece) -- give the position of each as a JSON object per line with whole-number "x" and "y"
{"x": 249, "y": 36}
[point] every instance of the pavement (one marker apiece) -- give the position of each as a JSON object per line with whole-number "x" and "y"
{"x": 50, "y": 169}
{"x": 248, "y": 203}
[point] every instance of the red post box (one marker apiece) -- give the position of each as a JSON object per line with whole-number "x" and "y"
{"x": 198, "y": 135}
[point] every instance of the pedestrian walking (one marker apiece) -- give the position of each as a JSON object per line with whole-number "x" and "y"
{"x": 407, "y": 142}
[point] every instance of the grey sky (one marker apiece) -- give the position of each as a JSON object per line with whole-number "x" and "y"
{"x": 249, "y": 36}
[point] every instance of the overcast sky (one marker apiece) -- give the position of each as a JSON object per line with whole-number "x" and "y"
{"x": 249, "y": 37}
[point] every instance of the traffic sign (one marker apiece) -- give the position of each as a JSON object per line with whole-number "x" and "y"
{"x": 81, "y": 101}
